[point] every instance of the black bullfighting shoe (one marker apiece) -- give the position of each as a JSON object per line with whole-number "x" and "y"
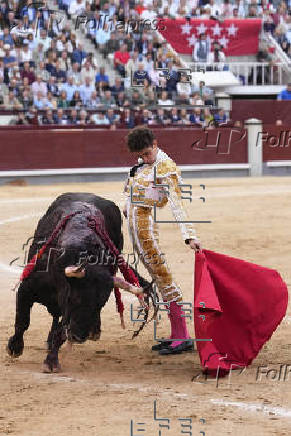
{"x": 185, "y": 346}
{"x": 161, "y": 345}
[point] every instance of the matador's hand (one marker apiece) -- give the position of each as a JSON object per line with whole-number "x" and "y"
{"x": 195, "y": 244}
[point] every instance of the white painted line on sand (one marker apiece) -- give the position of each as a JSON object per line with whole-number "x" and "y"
{"x": 26, "y": 200}
{"x": 10, "y": 269}
{"x": 113, "y": 387}
{"x": 255, "y": 407}
{"x": 3, "y": 266}
{"x": 19, "y": 218}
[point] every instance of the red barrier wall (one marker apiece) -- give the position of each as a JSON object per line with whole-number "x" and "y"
{"x": 266, "y": 110}
{"x": 68, "y": 147}
{"x": 276, "y": 142}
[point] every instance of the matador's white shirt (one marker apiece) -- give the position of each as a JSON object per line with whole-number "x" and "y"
{"x": 142, "y": 190}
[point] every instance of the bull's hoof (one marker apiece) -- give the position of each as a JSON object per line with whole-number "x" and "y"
{"x": 15, "y": 346}
{"x": 51, "y": 366}
{"x": 47, "y": 369}
{"x": 69, "y": 346}
{"x": 94, "y": 336}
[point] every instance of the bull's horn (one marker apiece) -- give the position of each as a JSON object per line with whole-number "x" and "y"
{"x": 72, "y": 271}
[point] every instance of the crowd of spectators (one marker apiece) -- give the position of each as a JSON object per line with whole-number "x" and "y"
{"x": 204, "y": 9}
{"x": 275, "y": 14}
{"x": 47, "y": 75}
{"x": 197, "y": 117}
{"x": 277, "y": 21}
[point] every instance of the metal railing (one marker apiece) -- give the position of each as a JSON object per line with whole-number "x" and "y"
{"x": 249, "y": 73}
{"x": 279, "y": 53}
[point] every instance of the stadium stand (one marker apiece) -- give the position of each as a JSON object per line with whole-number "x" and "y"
{"x": 96, "y": 62}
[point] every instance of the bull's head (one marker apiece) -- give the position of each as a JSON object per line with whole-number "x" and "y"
{"x": 82, "y": 296}
{"x": 85, "y": 298}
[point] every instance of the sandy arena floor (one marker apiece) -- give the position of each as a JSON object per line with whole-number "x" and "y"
{"x": 104, "y": 385}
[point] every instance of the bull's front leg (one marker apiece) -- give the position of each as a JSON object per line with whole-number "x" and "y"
{"x": 58, "y": 337}
{"x": 55, "y": 324}
{"x": 24, "y": 303}
{"x": 95, "y": 332}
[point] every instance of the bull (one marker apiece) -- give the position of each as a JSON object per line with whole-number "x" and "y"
{"x": 74, "y": 303}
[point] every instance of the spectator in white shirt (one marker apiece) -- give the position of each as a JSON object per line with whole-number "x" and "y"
{"x": 215, "y": 9}
{"x": 147, "y": 3}
{"x": 173, "y": 8}
{"x": 38, "y": 53}
{"x": 239, "y": 5}
{"x": 65, "y": 61}
{"x": 184, "y": 117}
{"x": 39, "y": 85}
{"x": 69, "y": 47}
{"x": 266, "y": 5}
{"x": 20, "y": 30}
{"x": 148, "y": 14}
{"x": 184, "y": 87}
{"x": 16, "y": 52}
{"x": 61, "y": 42}
{"x": 165, "y": 101}
{"x": 83, "y": 117}
{"x": 41, "y": 71}
{"x": 75, "y": 73}
{"x": 1, "y": 73}
{"x": 44, "y": 39}
{"x": 39, "y": 101}
{"x": 132, "y": 64}
{"x": 196, "y": 100}
{"x": 87, "y": 71}
{"x": 26, "y": 53}
{"x": 91, "y": 59}
{"x": 69, "y": 87}
{"x": 217, "y": 56}
{"x": 112, "y": 8}
{"x": 77, "y": 7}
{"x": 157, "y": 78}
{"x": 30, "y": 42}
{"x": 86, "y": 90}
{"x": 183, "y": 9}
{"x": 226, "y": 10}
{"x": 27, "y": 25}
{"x": 102, "y": 35}
{"x": 100, "y": 119}
{"x": 205, "y": 13}
{"x": 204, "y": 92}
{"x": 148, "y": 63}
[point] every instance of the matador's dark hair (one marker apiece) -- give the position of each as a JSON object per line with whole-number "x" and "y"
{"x": 139, "y": 138}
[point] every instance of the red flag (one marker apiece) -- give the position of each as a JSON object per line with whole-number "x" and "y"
{"x": 238, "y": 305}
{"x": 237, "y": 37}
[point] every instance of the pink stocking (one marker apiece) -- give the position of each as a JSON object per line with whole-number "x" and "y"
{"x": 178, "y": 324}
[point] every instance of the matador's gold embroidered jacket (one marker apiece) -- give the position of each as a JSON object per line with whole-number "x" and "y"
{"x": 141, "y": 189}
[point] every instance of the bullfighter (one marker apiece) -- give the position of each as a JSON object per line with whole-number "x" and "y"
{"x": 156, "y": 167}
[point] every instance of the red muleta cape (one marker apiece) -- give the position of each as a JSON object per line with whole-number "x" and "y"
{"x": 238, "y": 305}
